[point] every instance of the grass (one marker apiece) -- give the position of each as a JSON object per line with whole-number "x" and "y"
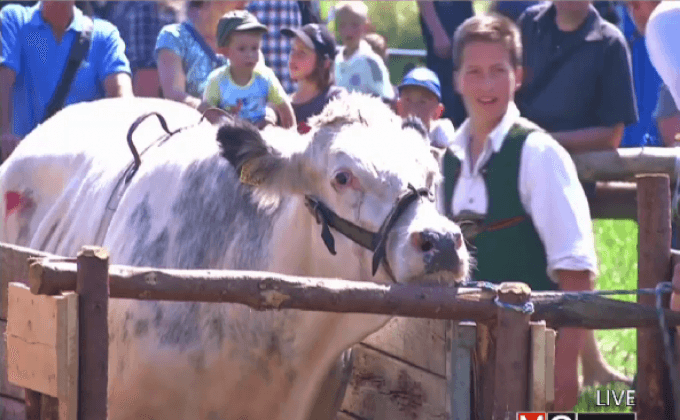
{"x": 616, "y": 246}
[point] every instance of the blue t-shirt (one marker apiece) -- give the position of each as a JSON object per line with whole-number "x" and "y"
{"x": 647, "y": 82}
{"x": 198, "y": 59}
{"x": 30, "y": 49}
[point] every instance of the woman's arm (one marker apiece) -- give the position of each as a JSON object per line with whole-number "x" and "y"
{"x": 173, "y": 80}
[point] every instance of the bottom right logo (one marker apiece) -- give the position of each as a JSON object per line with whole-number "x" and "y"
{"x": 576, "y": 416}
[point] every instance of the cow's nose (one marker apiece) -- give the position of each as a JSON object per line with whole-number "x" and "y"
{"x": 429, "y": 240}
{"x": 440, "y": 250}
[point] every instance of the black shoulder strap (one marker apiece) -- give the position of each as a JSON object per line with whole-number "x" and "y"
{"x": 207, "y": 49}
{"x": 78, "y": 52}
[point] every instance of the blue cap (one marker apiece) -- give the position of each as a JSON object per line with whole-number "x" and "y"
{"x": 422, "y": 77}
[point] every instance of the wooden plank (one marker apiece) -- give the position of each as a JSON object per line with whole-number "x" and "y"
{"x": 654, "y": 266}
{"x": 67, "y": 356}
{"x": 537, "y": 365}
{"x": 418, "y": 341}
{"x": 485, "y": 369}
{"x": 32, "y": 340}
{"x": 11, "y": 409}
{"x": 625, "y": 163}
{"x": 463, "y": 337}
{"x": 42, "y": 345}
{"x": 14, "y": 267}
{"x": 550, "y": 336}
{"x": 512, "y": 356}
{"x": 7, "y": 389}
{"x": 385, "y": 388}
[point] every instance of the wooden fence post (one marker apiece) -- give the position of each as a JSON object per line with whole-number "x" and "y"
{"x": 512, "y": 353}
{"x": 93, "y": 293}
{"x": 654, "y": 219}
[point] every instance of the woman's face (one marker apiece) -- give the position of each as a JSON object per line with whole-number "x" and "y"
{"x": 487, "y": 80}
{"x": 302, "y": 60}
{"x": 219, "y": 8}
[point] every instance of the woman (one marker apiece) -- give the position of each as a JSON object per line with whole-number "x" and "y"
{"x": 311, "y": 66}
{"x": 185, "y": 52}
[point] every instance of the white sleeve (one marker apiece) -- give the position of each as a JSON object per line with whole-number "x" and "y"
{"x": 662, "y": 37}
{"x": 554, "y": 198}
{"x": 442, "y": 133}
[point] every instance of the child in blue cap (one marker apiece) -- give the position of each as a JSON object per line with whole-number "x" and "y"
{"x": 420, "y": 96}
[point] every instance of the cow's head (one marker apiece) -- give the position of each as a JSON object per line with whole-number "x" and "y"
{"x": 363, "y": 165}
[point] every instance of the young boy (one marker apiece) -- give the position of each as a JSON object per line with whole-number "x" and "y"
{"x": 513, "y": 179}
{"x": 357, "y": 67}
{"x": 420, "y": 96}
{"x": 243, "y": 86}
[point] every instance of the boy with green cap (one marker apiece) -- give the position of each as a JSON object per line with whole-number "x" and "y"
{"x": 244, "y": 86}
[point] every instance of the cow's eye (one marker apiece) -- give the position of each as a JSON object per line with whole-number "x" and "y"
{"x": 342, "y": 178}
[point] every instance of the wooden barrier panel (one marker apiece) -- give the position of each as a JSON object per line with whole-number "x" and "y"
{"x": 538, "y": 364}
{"x": 7, "y": 389}
{"x": 11, "y": 409}
{"x": 460, "y": 346}
{"x": 42, "y": 345}
{"x": 385, "y": 388}
{"x": 417, "y": 341}
{"x": 550, "y": 336}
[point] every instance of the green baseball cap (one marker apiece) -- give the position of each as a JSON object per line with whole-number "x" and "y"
{"x": 236, "y": 21}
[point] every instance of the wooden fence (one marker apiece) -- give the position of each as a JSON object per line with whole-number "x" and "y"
{"x": 53, "y": 275}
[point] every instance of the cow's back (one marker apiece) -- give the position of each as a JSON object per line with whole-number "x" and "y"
{"x": 79, "y": 154}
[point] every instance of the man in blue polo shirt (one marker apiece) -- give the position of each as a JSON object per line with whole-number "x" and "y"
{"x": 36, "y": 42}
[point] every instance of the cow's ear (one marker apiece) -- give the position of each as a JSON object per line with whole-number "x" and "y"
{"x": 257, "y": 162}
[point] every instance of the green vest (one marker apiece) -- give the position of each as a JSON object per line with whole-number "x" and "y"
{"x": 503, "y": 253}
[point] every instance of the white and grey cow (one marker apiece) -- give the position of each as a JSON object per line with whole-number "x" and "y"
{"x": 185, "y": 207}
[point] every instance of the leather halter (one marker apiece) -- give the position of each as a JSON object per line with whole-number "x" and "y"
{"x": 373, "y": 241}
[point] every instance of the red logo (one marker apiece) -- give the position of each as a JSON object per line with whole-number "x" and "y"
{"x": 532, "y": 416}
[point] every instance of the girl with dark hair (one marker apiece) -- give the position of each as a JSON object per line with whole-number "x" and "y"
{"x": 311, "y": 65}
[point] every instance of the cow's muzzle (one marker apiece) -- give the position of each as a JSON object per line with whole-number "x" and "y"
{"x": 373, "y": 241}
{"x": 440, "y": 250}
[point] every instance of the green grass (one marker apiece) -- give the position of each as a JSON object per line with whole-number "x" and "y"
{"x": 616, "y": 246}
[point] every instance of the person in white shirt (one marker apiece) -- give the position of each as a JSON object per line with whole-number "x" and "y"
{"x": 662, "y": 36}
{"x": 517, "y": 188}
{"x": 357, "y": 67}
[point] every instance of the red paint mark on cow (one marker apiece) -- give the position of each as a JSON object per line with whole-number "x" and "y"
{"x": 13, "y": 202}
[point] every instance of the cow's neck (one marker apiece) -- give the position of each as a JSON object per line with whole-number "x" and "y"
{"x": 307, "y": 255}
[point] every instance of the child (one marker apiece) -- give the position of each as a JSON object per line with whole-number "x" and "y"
{"x": 311, "y": 66}
{"x": 357, "y": 67}
{"x": 243, "y": 86}
{"x": 420, "y": 95}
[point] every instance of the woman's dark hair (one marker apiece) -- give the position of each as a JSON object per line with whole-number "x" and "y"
{"x": 196, "y": 4}
{"x": 323, "y": 78}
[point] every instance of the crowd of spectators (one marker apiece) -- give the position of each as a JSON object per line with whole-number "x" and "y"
{"x": 584, "y": 75}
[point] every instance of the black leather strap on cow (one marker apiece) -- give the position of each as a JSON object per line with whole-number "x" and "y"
{"x": 79, "y": 50}
{"x": 373, "y": 241}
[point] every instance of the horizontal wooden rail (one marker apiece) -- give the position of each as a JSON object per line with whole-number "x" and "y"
{"x": 264, "y": 291}
{"x": 625, "y": 163}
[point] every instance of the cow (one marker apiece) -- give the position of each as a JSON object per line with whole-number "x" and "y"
{"x": 224, "y": 195}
